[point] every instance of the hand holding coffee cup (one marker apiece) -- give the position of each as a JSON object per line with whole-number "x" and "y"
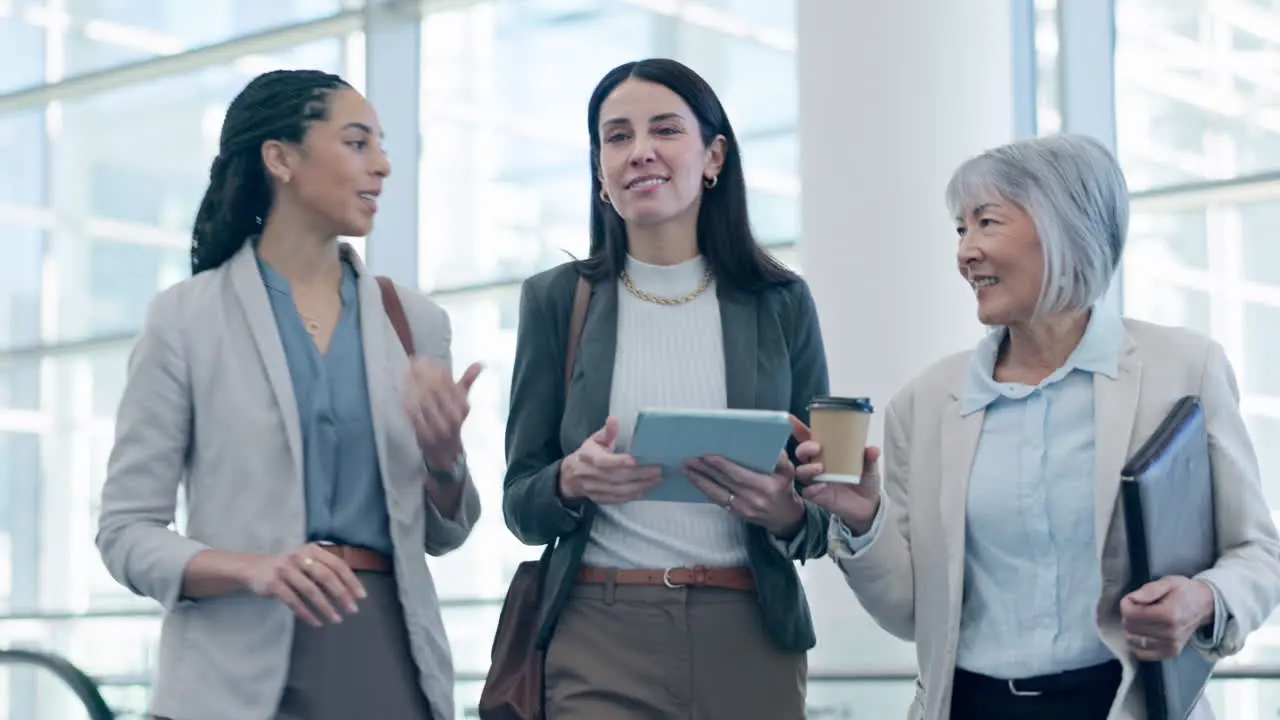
{"x": 840, "y": 425}
{"x": 855, "y": 504}
{"x": 838, "y": 456}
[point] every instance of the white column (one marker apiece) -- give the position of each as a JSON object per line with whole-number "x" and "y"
{"x": 893, "y": 96}
{"x": 393, "y": 60}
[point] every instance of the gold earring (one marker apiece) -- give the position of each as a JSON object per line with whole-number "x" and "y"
{"x": 711, "y": 181}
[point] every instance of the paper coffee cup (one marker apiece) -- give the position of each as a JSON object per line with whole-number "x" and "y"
{"x": 840, "y": 425}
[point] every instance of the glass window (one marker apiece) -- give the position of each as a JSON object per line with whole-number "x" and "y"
{"x": 107, "y": 371}
{"x": 20, "y": 481}
{"x": 23, "y": 42}
{"x": 1260, "y": 253}
{"x": 1261, "y": 349}
{"x": 768, "y": 19}
{"x": 141, "y": 153}
{"x": 121, "y": 278}
{"x": 19, "y": 383}
{"x": 1048, "y": 78}
{"x": 20, "y": 293}
{"x": 1149, "y": 297}
{"x": 105, "y": 33}
{"x": 1168, "y": 238}
{"x": 20, "y": 275}
{"x": 111, "y": 650}
{"x": 755, "y": 81}
{"x": 80, "y": 402}
{"x": 483, "y": 566}
{"x": 858, "y": 699}
{"x": 1212, "y": 269}
{"x": 1192, "y": 100}
{"x": 505, "y": 190}
{"x": 136, "y": 192}
{"x": 112, "y": 646}
{"x": 100, "y": 589}
{"x": 1264, "y": 430}
{"x": 470, "y": 630}
{"x": 22, "y": 143}
{"x": 789, "y": 256}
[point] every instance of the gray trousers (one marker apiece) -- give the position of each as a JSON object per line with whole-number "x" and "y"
{"x": 627, "y": 652}
{"x": 359, "y": 668}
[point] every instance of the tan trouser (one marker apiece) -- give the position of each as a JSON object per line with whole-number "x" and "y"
{"x": 628, "y": 652}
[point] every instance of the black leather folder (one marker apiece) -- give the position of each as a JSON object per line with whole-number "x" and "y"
{"x": 1166, "y": 489}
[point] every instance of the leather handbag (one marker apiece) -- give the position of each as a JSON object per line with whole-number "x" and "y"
{"x": 513, "y": 686}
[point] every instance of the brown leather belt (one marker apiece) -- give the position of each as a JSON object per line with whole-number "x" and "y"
{"x": 733, "y": 578}
{"x": 361, "y": 559}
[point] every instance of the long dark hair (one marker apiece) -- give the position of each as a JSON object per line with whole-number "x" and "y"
{"x": 724, "y": 227}
{"x": 278, "y": 105}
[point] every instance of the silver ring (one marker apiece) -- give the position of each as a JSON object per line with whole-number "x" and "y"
{"x": 307, "y": 562}
{"x": 1142, "y": 642}
{"x": 728, "y": 504}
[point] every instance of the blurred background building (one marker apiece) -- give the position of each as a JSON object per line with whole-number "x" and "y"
{"x": 849, "y": 114}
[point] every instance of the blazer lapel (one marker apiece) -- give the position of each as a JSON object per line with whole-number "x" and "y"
{"x": 384, "y": 369}
{"x": 738, "y": 322}
{"x": 1115, "y": 406}
{"x": 588, "y": 409}
{"x": 246, "y": 280}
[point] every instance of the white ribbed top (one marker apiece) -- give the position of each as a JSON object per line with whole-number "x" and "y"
{"x": 668, "y": 356}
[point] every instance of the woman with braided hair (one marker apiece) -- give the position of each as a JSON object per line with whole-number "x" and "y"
{"x": 320, "y": 456}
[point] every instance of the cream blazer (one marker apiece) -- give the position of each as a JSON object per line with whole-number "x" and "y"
{"x": 911, "y": 577}
{"x": 209, "y": 406}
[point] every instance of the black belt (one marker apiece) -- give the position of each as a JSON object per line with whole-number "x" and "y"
{"x": 1100, "y": 677}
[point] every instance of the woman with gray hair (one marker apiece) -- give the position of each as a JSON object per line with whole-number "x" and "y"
{"x": 995, "y": 540}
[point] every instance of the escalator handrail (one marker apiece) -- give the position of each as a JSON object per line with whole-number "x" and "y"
{"x": 82, "y": 685}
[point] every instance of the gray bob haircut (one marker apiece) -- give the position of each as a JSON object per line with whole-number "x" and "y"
{"x": 1076, "y": 195}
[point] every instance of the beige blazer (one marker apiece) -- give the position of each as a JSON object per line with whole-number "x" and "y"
{"x": 911, "y": 577}
{"x": 208, "y": 405}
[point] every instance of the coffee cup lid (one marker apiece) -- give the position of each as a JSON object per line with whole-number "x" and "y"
{"x": 860, "y": 404}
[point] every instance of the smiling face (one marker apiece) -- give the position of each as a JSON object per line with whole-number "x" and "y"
{"x": 653, "y": 161}
{"x": 1001, "y": 258}
{"x": 335, "y": 174}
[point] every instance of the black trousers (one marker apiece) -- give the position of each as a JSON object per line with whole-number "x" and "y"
{"x": 1084, "y": 694}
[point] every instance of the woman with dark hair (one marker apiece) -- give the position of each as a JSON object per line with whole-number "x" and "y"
{"x": 320, "y": 460}
{"x": 664, "y": 609}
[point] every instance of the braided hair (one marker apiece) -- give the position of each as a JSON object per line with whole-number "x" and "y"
{"x": 278, "y": 105}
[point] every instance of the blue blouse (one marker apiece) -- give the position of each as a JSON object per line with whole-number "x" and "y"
{"x": 345, "y": 500}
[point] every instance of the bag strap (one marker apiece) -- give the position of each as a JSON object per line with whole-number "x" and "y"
{"x": 577, "y": 320}
{"x": 395, "y": 313}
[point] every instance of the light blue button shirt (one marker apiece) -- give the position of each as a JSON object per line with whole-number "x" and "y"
{"x": 343, "y": 482}
{"x": 1032, "y": 575}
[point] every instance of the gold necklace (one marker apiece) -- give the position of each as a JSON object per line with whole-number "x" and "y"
{"x": 660, "y": 300}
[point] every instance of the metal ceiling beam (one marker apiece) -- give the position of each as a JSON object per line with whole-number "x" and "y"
{"x": 1240, "y": 190}
{"x": 336, "y": 25}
